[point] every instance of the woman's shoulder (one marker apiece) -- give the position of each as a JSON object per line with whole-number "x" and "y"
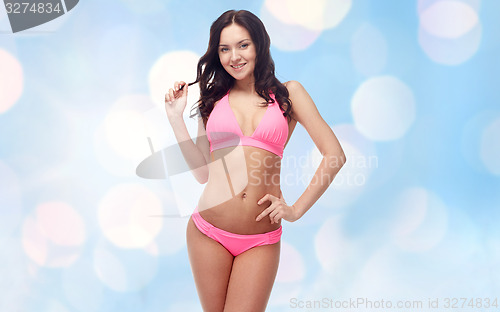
{"x": 294, "y": 87}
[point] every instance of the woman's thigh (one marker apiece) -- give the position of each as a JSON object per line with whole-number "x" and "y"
{"x": 252, "y": 278}
{"x": 211, "y": 265}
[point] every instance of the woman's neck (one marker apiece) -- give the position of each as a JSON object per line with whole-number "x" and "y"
{"x": 246, "y": 86}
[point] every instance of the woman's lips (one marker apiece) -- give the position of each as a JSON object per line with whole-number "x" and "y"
{"x": 238, "y": 67}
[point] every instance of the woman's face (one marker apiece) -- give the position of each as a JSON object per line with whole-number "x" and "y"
{"x": 237, "y": 52}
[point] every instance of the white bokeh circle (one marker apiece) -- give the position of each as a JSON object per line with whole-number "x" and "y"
{"x": 334, "y": 249}
{"x": 449, "y": 31}
{"x": 11, "y": 80}
{"x": 383, "y": 108}
{"x": 121, "y": 140}
{"x": 316, "y": 15}
{"x": 124, "y": 270}
{"x": 128, "y": 215}
{"x": 291, "y": 267}
{"x": 169, "y": 68}
{"x": 53, "y": 236}
{"x": 287, "y": 36}
{"x": 421, "y": 220}
{"x": 477, "y": 142}
{"x": 369, "y": 50}
{"x": 448, "y": 19}
{"x": 10, "y": 200}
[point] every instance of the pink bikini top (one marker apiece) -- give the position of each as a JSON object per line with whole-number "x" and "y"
{"x": 223, "y": 129}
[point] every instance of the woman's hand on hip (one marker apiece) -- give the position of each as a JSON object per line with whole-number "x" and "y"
{"x": 278, "y": 209}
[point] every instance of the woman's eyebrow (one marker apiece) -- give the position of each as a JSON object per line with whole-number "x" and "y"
{"x": 225, "y": 45}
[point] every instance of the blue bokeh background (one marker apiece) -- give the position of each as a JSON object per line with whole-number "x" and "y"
{"x": 408, "y": 87}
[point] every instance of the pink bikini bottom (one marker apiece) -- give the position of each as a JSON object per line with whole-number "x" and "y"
{"x": 235, "y": 243}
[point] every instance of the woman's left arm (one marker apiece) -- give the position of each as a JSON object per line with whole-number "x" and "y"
{"x": 305, "y": 112}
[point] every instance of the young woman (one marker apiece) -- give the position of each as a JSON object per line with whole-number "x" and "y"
{"x": 247, "y": 118}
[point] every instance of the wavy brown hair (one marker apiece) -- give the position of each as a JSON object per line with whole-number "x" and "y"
{"x": 215, "y": 82}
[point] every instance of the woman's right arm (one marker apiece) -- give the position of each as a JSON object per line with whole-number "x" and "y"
{"x": 196, "y": 155}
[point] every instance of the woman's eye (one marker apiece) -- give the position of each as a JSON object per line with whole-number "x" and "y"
{"x": 223, "y": 49}
{"x": 244, "y": 45}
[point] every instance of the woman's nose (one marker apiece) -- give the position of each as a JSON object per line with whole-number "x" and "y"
{"x": 235, "y": 55}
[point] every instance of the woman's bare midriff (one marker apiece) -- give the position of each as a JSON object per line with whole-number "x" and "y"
{"x": 238, "y": 177}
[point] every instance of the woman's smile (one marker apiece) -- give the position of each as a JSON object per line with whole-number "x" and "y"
{"x": 238, "y": 67}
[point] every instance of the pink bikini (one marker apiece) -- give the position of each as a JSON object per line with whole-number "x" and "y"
{"x": 223, "y": 131}
{"x": 235, "y": 243}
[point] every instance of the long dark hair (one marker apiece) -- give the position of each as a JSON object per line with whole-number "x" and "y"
{"x": 215, "y": 82}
